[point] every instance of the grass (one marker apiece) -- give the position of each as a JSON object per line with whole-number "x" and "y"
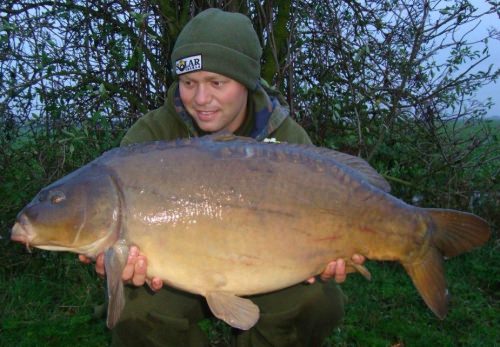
{"x": 389, "y": 312}
{"x": 48, "y": 299}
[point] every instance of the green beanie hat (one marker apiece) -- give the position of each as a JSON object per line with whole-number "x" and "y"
{"x": 221, "y": 42}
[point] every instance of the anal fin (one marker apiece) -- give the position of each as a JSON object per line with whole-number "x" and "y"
{"x": 359, "y": 268}
{"x": 238, "y": 312}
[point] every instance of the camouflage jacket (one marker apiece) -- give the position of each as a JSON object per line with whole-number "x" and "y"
{"x": 268, "y": 117}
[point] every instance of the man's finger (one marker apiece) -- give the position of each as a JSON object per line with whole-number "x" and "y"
{"x": 133, "y": 252}
{"x": 311, "y": 280}
{"x": 340, "y": 274}
{"x": 139, "y": 271}
{"x": 84, "y": 259}
{"x": 128, "y": 270}
{"x": 329, "y": 271}
{"x": 358, "y": 259}
{"x": 156, "y": 284}
{"x": 99, "y": 265}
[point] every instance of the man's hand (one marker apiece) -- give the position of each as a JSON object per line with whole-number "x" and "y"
{"x": 134, "y": 271}
{"x": 337, "y": 269}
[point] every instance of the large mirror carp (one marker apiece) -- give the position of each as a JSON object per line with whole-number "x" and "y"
{"x": 227, "y": 217}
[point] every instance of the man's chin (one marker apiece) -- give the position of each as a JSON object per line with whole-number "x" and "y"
{"x": 208, "y": 127}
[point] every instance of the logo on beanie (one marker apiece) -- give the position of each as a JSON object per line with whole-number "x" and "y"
{"x": 188, "y": 64}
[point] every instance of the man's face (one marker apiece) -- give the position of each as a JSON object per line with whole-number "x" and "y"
{"x": 215, "y": 102}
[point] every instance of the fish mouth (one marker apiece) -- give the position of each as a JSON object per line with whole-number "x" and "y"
{"x": 21, "y": 232}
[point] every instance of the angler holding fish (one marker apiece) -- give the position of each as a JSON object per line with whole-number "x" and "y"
{"x": 231, "y": 221}
{"x": 217, "y": 59}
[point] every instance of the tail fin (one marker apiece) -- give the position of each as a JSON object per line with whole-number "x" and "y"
{"x": 452, "y": 233}
{"x": 457, "y": 232}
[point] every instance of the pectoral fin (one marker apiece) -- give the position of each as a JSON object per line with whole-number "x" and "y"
{"x": 115, "y": 259}
{"x": 238, "y": 312}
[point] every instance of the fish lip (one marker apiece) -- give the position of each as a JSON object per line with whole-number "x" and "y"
{"x": 20, "y": 233}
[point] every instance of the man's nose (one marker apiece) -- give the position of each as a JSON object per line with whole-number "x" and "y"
{"x": 202, "y": 95}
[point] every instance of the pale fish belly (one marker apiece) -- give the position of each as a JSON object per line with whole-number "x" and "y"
{"x": 233, "y": 248}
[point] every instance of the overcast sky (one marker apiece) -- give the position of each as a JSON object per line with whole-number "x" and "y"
{"x": 487, "y": 22}
{"x": 493, "y": 89}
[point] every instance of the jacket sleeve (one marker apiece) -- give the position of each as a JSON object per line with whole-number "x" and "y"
{"x": 140, "y": 131}
{"x": 160, "y": 124}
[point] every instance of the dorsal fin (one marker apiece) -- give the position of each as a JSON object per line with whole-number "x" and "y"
{"x": 356, "y": 163}
{"x": 362, "y": 166}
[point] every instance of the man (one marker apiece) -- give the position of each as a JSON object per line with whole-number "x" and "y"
{"x": 217, "y": 62}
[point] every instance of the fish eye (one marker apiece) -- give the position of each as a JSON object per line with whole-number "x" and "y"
{"x": 56, "y": 196}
